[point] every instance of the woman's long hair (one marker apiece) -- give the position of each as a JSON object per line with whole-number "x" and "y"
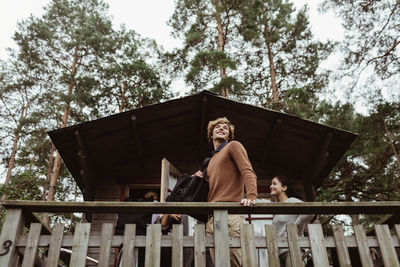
{"x": 292, "y": 190}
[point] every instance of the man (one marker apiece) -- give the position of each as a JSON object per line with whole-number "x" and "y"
{"x": 229, "y": 171}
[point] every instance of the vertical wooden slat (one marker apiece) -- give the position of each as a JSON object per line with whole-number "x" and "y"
{"x": 249, "y": 254}
{"x": 363, "y": 248}
{"x": 153, "y": 245}
{"x": 397, "y": 227}
{"x": 177, "y": 245}
{"x": 128, "y": 252}
{"x": 294, "y": 247}
{"x": 221, "y": 238}
{"x": 341, "y": 246}
{"x": 107, "y": 232}
{"x": 387, "y": 247}
{"x": 80, "y": 245}
{"x": 318, "y": 249}
{"x": 55, "y": 245}
{"x": 164, "y": 179}
{"x": 12, "y": 227}
{"x": 31, "y": 245}
{"x": 199, "y": 246}
{"x": 272, "y": 245}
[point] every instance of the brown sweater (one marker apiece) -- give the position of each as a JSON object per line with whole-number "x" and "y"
{"x": 229, "y": 171}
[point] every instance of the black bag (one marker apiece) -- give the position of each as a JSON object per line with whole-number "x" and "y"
{"x": 192, "y": 189}
{"x": 189, "y": 189}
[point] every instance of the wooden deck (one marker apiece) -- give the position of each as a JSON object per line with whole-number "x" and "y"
{"x": 20, "y": 248}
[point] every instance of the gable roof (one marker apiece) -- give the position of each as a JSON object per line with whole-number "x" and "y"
{"x": 128, "y": 147}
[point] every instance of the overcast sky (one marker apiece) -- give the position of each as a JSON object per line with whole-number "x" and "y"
{"x": 148, "y": 18}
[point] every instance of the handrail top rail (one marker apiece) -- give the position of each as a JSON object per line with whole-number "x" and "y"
{"x": 378, "y": 207}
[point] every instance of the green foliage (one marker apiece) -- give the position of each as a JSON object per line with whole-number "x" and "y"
{"x": 208, "y": 59}
{"x": 370, "y": 170}
{"x": 68, "y": 62}
{"x": 118, "y": 70}
{"x": 24, "y": 186}
{"x": 370, "y": 49}
{"x": 282, "y": 49}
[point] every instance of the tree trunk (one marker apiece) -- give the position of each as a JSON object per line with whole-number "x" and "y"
{"x": 390, "y": 137}
{"x": 221, "y": 44}
{"x": 57, "y": 162}
{"x": 49, "y": 172}
{"x": 11, "y": 162}
{"x": 123, "y": 100}
{"x": 272, "y": 73}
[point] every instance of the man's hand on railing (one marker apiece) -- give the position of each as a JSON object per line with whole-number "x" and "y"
{"x": 247, "y": 202}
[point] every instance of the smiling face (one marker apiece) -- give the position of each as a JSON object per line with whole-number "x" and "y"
{"x": 276, "y": 188}
{"x": 221, "y": 132}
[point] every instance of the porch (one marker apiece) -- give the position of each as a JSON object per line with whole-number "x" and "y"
{"x": 21, "y": 247}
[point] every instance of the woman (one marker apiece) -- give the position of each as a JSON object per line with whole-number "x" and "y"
{"x": 283, "y": 191}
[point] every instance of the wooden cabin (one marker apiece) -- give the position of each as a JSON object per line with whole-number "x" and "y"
{"x": 147, "y": 149}
{"x": 144, "y": 149}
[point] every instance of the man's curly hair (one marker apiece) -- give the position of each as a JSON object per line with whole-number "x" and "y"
{"x": 213, "y": 123}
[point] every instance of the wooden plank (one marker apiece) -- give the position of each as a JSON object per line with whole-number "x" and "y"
{"x": 164, "y": 179}
{"x": 221, "y": 238}
{"x": 294, "y": 247}
{"x": 137, "y": 138}
{"x": 272, "y": 245}
{"x": 199, "y": 245}
{"x": 32, "y": 245}
{"x": 380, "y": 207}
{"x": 177, "y": 245}
{"x": 153, "y": 246}
{"x": 107, "y": 233}
{"x": 166, "y": 241}
{"x": 397, "y": 227}
{"x": 249, "y": 254}
{"x": 12, "y": 227}
{"x": 55, "y": 245}
{"x": 318, "y": 249}
{"x": 128, "y": 253}
{"x": 363, "y": 248}
{"x": 387, "y": 247}
{"x": 80, "y": 246}
{"x": 341, "y": 247}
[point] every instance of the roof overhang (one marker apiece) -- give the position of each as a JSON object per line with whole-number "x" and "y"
{"x": 128, "y": 147}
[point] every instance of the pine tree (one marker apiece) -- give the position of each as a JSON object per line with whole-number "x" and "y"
{"x": 20, "y": 91}
{"x": 209, "y": 31}
{"x": 284, "y": 61}
{"x": 68, "y": 39}
{"x": 132, "y": 75}
{"x": 370, "y": 49}
{"x": 369, "y": 170}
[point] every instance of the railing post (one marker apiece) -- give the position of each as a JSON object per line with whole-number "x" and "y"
{"x": 12, "y": 227}
{"x": 221, "y": 238}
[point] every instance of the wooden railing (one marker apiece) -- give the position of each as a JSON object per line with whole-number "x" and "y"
{"x": 19, "y": 247}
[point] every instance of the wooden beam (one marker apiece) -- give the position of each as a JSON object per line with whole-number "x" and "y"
{"x": 189, "y": 241}
{"x": 321, "y": 157}
{"x": 270, "y": 136}
{"x": 138, "y": 139}
{"x": 379, "y": 207}
{"x": 86, "y": 172}
{"x": 203, "y": 131}
{"x": 12, "y": 228}
{"x": 309, "y": 191}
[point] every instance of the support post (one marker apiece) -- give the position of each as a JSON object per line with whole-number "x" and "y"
{"x": 12, "y": 228}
